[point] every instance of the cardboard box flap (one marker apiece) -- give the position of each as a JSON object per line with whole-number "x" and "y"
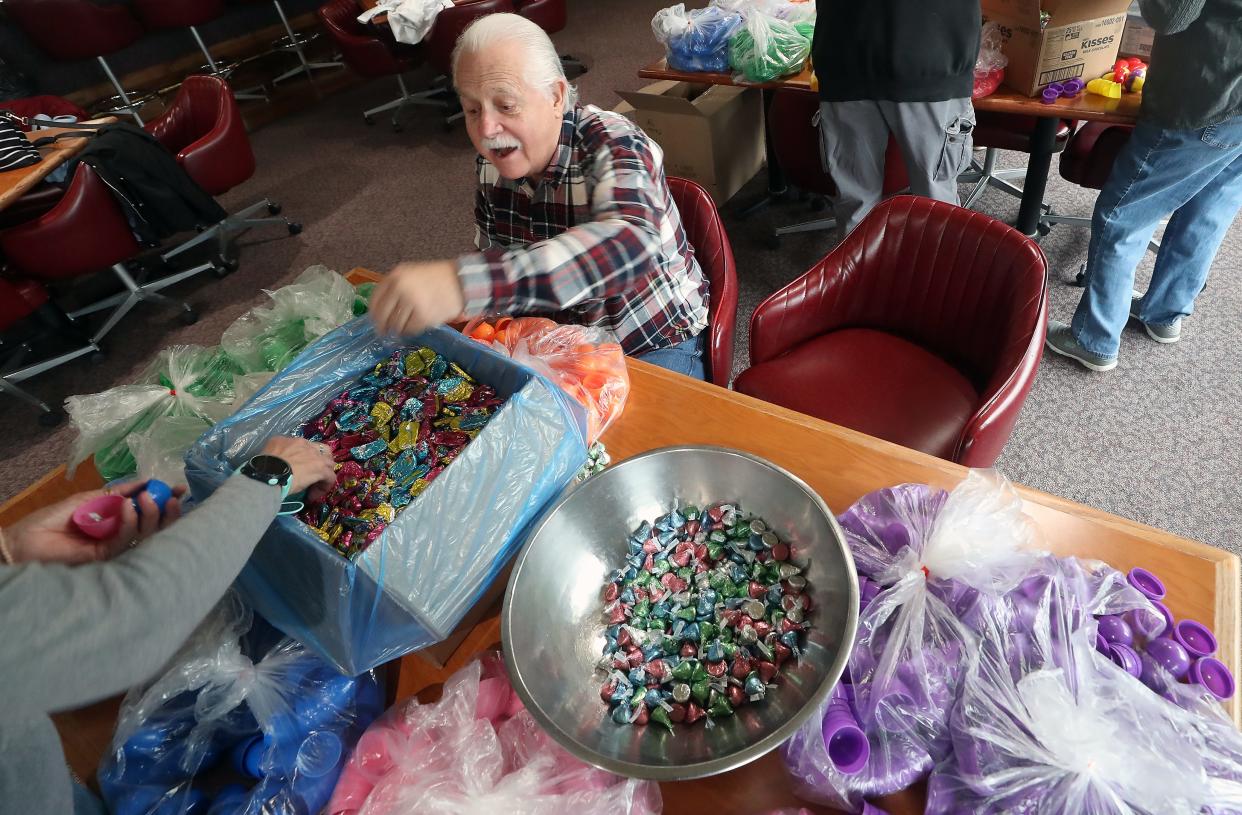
{"x": 1023, "y": 11}
{"x": 667, "y": 97}
{"x": 1065, "y": 12}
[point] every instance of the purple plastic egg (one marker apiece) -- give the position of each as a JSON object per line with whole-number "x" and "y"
{"x": 1114, "y": 629}
{"x": 1147, "y": 583}
{"x": 1195, "y": 637}
{"x": 1170, "y": 655}
{"x": 1212, "y": 674}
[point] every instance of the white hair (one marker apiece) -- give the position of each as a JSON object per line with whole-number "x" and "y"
{"x": 543, "y": 64}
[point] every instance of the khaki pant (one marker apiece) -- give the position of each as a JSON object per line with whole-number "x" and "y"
{"x": 935, "y": 141}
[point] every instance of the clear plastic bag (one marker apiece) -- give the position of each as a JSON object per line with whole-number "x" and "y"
{"x": 766, "y": 48}
{"x": 697, "y": 40}
{"x": 267, "y": 338}
{"x": 586, "y": 362}
{"x": 1050, "y": 726}
{"x": 923, "y": 547}
{"x": 159, "y": 451}
{"x": 286, "y": 720}
{"x": 990, "y": 66}
{"x": 477, "y": 751}
{"x": 413, "y": 585}
{"x": 182, "y": 381}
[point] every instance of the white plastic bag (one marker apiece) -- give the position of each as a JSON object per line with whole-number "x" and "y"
{"x": 1052, "y": 727}
{"x": 410, "y": 20}
{"x": 182, "y": 381}
{"x": 477, "y": 751}
{"x": 267, "y": 338}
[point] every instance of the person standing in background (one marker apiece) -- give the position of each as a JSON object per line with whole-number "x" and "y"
{"x": 904, "y": 67}
{"x": 1184, "y": 159}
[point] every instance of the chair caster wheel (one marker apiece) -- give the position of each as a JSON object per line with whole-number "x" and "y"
{"x": 188, "y": 317}
{"x": 1080, "y": 279}
{"x": 396, "y": 128}
{"x": 772, "y": 242}
{"x": 295, "y": 228}
{"x": 273, "y": 208}
{"x": 224, "y": 267}
{"x": 51, "y": 418}
{"x": 368, "y": 120}
{"x": 1043, "y": 230}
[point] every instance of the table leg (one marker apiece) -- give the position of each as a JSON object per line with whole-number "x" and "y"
{"x": 1043, "y": 141}
{"x": 776, "y": 176}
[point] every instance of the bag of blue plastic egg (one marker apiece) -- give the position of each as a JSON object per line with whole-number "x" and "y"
{"x": 696, "y": 40}
{"x": 242, "y": 721}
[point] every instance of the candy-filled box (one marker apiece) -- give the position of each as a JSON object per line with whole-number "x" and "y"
{"x": 414, "y": 582}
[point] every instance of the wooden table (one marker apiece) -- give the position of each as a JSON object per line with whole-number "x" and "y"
{"x": 839, "y": 464}
{"x": 1085, "y": 107}
{"x": 15, "y": 183}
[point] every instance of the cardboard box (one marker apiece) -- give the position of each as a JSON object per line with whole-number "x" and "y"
{"x": 1082, "y": 39}
{"x": 1137, "y": 39}
{"x": 711, "y": 134}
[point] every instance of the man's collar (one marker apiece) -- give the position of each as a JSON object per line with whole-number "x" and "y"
{"x": 563, "y": 156}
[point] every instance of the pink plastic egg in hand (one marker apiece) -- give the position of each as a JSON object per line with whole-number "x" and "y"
{"x": 99, "y": 518}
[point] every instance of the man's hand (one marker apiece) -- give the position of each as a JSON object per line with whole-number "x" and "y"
{"x": 416, "y": 296}
{"x": 311, "y": 463}
{"x": 49, "y": 536}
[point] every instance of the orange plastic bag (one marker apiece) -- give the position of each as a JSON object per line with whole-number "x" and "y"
{"x": 587, "y": 363}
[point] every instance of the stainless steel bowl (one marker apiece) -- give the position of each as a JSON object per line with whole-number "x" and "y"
{"x": 552, "y": 623}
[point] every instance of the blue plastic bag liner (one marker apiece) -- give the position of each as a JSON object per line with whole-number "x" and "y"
{"x": 696, "y": 40}
{"x": 237, "y": 704}
{"x": 414, "y": 584}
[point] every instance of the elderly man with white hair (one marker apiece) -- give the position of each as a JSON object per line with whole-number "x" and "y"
{"x": 573, "y": 213}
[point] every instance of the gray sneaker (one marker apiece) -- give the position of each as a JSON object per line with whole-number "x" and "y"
{"x": 1160, "y": 333}
{"x": 1060, "y": 340}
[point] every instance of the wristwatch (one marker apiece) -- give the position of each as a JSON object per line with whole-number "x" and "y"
{"x": 269, "y": 470}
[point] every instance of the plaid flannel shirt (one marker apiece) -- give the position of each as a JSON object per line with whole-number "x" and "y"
{"x": 598, "y": 242}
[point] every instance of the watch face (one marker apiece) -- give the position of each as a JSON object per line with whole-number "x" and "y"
{"x": 269, "y": 467}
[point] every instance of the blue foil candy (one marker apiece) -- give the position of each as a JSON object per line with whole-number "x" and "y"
{"x": 369, "y": 450}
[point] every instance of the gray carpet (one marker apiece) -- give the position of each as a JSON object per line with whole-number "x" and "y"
{"x": 1154, "y": 440}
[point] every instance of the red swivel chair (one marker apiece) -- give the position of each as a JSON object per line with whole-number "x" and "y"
{"x": 203, "y": 128}
{"x": 552, "y": 16}
{"x": 71, "y": 30}
{"x": 706, "y": 235}
{"x": 795, "y": 140}
{"x": 923, "y": 327}
{"x": 1088, "y": 162}
{"x": 162, "y": 14}
{"x": 30, "y": 326}
{"x": 86, "y": 232}
{"x": 370, "y": 55}
{"x": 448, "y": 27}
{"x": 1004, "y": 131}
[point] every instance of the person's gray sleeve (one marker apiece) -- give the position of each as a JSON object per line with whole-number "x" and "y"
{"x": 77, "y": 634}
{"x": 1170, "y": 16}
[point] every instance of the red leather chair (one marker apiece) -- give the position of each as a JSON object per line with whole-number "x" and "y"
{"x": 447, "y": 29}
{"x": 795, "y": 141}
{"x": 1004, "y": 131}
{"x": 29, "y": 319}
{"x": 203, "y": 128}
{"x": 1088, "y": 162}
{"x": 711, "y": 246}
{"x": 924, "y": 327}
{"x": 552, "y": 16}
{"x": 370, "y": 55}
{"x": 72, "y": 30}
{"x": 163, "y": 14}
{"x": 86, "y": 232}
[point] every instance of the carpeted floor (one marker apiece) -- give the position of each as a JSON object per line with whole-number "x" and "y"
{"x": 1154, "y": 440}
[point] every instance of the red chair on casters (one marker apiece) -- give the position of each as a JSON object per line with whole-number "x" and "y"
{"x": 924, "y": 327}
{"x": 71, "y": 30}
{"x": 552, "y": 16}
{"x": 85, "y": 233}
{"x": 369, "y": 55}
{"x": 203, "y": 128}
{"x": 711, "y": 246}
{"x": 27, "y": 317}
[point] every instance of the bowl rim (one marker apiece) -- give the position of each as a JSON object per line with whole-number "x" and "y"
{"x": 703, "y": 769}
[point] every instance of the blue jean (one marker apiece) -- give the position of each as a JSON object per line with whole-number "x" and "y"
{"x": 686, "y": 357}
{"x": 1194, "y": 174}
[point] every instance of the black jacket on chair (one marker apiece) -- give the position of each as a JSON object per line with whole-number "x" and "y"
{"x": 158, "y": 197}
